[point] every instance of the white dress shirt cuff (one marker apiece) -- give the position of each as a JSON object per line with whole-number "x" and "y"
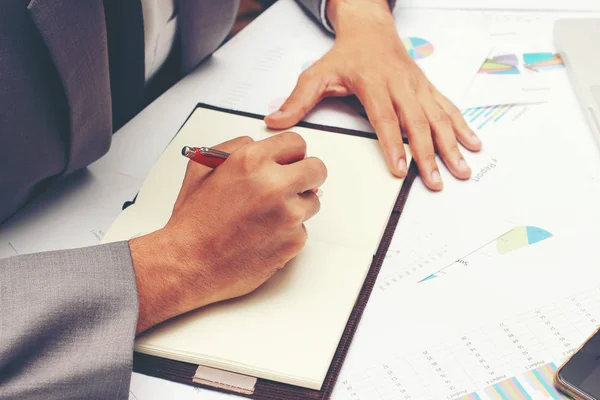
{"x": 325, "y": 21}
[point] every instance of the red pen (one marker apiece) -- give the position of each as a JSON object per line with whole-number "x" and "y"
{"x": 205, "y": 155}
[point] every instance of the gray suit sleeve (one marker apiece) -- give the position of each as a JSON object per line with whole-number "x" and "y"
{"x": 317, "y": 9}
{"x": 67, "y": 324}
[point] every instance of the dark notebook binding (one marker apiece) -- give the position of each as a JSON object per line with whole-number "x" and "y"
{"x": 181, "y": 372}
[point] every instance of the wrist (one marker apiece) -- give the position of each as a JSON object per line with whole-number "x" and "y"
{"x": 157, "y": 279}
{"x": 342, "y": 13}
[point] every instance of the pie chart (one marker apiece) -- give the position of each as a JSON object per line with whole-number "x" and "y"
{"x": 519, "y": 237}
{"x": 418, "y": 48}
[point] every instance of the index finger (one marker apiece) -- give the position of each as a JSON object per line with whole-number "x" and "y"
{"x": 283, "y": 148}
{"x": 232, "y": 145}
{"x": 382, "y": 115}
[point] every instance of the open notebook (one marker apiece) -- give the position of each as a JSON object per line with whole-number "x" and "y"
{"x": 287, "y": 330}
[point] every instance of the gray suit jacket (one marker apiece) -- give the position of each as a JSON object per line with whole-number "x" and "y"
{"x": 68, "y": 318}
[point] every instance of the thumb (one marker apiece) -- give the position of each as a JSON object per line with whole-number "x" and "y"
{"x": 307, "y": 93}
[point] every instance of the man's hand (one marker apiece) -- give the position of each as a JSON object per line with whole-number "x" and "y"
{"x": 231, "y": 229}
{"x": 369, "y": 60}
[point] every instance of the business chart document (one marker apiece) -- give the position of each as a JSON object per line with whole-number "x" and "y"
{"x": 514, "y": 74}
{"x": 518, "y": 238}
{"x": 430, "y": 237}
{"x": 522, "y": 63}
{"x": 479, "y": 335}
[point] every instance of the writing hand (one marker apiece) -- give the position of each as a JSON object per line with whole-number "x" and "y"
{"x": 231, "y": 228}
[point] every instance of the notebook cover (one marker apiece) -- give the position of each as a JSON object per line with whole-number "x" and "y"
{"x": 269, "y": 390}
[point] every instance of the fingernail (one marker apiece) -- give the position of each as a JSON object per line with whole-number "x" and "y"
{"x": 475, "y": 139}
{"x": 402, "y": 167}
{"x": 462, "y": 164}
{"x": 277, "y": 114}
{"x": 435, "y": 177}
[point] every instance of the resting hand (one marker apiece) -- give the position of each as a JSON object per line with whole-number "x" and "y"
{"x": 231, "y": 228}
{"x": 369, "y": 60}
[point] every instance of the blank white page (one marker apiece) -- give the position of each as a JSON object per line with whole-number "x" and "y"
{"x": 287, "y": 330}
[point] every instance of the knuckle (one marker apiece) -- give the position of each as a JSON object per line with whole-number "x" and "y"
{"x": 274, "y": 187}
{"x": 294, "y": 216}
{"x": 247, "y": 160}
{"x": 440, "y": 119}
{"x": 304, "y": 109}
{"x": 292, "y": 139}
{"x": 361, "y": 81}
{"x": 412, "y": 81}
{"x": 293, "y": 243}
{"x": 246, "y": 139}
{"x": 452, "y": 147}
{"x": 308, "y": 74}
{"x": 298, "y": 241}
{"x": 427, "y": 87}
{"x": 419, "y": 125}
{"x": 452, "y": 109}
{"x": 387, "y": 118}
{"x": 427, "y": 158}
{"x": 315, "y": 169}
{"x": 366, "y": 81}
{"x": 317, "y": 205}
{"x": 321, "y": 168}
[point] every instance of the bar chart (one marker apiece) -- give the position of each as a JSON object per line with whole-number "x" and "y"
{"x": 534, "y": 384}
{"x": 480, "y": 117}
{"x": 514, "y": 358}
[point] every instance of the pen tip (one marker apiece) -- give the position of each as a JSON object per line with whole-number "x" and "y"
{"x": 185, "y": 151}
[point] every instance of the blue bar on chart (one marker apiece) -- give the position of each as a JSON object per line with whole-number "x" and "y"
{"x": 534, "y": 384}
{"x": 482, "y": 116}
{"x": 542, "y": 379}
{"x": 508, "y": 389}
